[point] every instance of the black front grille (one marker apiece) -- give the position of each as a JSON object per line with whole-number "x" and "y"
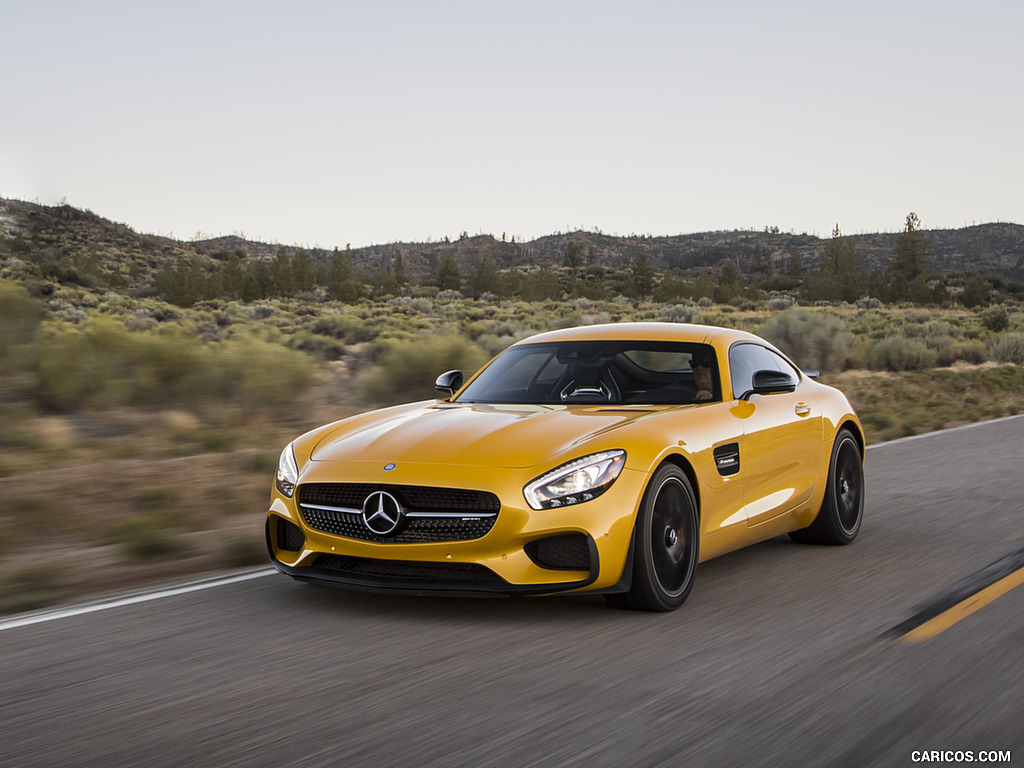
{"x": 412, "y": 573}
{"x": 421, "y": 530}
{"x": 564, "y": 552}
{"x": 414, "y": 497}
{"x": 438, "y": 514}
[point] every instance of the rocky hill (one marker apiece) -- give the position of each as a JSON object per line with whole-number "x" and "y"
{"x": 59, "y": 234}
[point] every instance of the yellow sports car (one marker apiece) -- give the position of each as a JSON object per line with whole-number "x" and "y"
{"x": 607, "y": 459}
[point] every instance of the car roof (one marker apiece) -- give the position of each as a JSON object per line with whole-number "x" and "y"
{"x": 706, "y": 334}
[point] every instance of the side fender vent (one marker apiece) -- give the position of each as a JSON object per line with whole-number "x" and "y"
{"x": 727, "y": 459}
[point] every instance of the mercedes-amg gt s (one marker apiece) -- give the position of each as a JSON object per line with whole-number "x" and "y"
{"x": 607, "y": 459}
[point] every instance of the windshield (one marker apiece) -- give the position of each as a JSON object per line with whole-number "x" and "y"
{"x": 619, "y": 372}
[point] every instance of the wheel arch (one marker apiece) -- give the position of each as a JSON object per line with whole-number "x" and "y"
{"x": 687, "y": 468}
{"x": 855, "y": 429}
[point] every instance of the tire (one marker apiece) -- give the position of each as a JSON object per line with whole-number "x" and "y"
{"x": 667, "y": 544}
{"x": 839, "y": 520}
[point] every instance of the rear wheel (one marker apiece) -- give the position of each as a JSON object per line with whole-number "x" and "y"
{"x": 667, "y": 537}
{"x": 839, "y": 520}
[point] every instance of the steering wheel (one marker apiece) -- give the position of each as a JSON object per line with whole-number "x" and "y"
{"x": 599, "y": 393}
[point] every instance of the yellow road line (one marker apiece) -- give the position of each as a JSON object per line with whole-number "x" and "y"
{"x": 963, "y": 609}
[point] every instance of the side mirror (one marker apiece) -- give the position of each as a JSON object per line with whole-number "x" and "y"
{"x": 450, "y": 382}
{"x": 770, "y": 383}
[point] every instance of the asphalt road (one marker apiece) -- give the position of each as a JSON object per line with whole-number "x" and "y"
{"x": 780, "y": 657}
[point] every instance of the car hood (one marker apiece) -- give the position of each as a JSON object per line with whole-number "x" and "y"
{"x": 471, "y": 435}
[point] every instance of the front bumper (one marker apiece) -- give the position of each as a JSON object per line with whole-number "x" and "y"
{"x": 517, "y": 556}
{"x": 425, "y": 577}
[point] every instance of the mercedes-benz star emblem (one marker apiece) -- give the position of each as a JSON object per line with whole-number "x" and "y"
{"x": 381, "y": 513}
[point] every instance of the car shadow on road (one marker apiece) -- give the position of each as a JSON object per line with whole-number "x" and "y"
{"x": 714, "y": 577}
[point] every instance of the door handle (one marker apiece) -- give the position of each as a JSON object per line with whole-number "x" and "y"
{"x": 802, "y": 409}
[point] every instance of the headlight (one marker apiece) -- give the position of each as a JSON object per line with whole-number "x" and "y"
{"x": 287, "y": 472}
{"x": 578, "y": 481}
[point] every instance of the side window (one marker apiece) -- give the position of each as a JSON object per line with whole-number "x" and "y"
{"x": 744, "y": 359}
{"x": 784, "y": 365}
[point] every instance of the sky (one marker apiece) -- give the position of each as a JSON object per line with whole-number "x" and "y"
{"x": 323, "y": 124}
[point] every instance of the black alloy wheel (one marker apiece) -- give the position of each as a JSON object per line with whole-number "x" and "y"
{"x": 848, "y": 488}
{"x": 842, "y": 511}
{"x": 667, "y": 537}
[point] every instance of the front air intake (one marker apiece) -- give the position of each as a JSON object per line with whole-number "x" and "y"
{"x": 564, "y": 552}
{"x": 289, "y": 536}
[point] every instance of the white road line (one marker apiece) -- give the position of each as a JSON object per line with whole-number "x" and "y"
{"x": 130, "y": 599}
{"x": 27, "y": 619}
{"x": 949, "y": 431}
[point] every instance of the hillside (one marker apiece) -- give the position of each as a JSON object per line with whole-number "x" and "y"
{"x": 77, "y": 244}
{"x": 992, "y": 250}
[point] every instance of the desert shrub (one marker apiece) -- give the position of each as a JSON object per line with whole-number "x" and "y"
{"x": 898, "y": 353}
{"x": 1002, "y": 379}
{"x": 141, "y": 539}
{"x": 321, "y": 347}
{"x": 970, "y": 351}
{"x": 942, "y": 328}
{"x": 931, "y": 329}
{"x": 682, "y": 313}
{"x": 260, "y": 312}
{"x": 507, "y": 327}
{"x": 874, "y": 324}
{"x": 780, "y": 303}
{"x": 949, "y": 343}
{"x": 492, "y": 345}
{"x": 260, "y": 463}
{"x": 943, "y": 348}
{"x": 995, "y": 318}
{"x": 102, "y": 364}
{"x": 473, "y": 330}
{"x": 256, "y": 373}
{"x": 348, "y": 328}
{"x": 1007, "y": 348}
{"x": 240, "y": 551}
{"x": 31, "y": 588}
{"x": 720, "y": 319}
{"x": 20, "y": 316}
{"x": 37, "y": 514}
{"x": 949, "y": 350}
{"x": 226, "y": 500}
{"x": 406, "y": 370}
{"x": 860, "y": 353}
{"x": 211, "y": 440}
{"x": 411, "y": 305}
{"x": 167, "y": 366}
{"x": 812, "y": 339}
{"x": 157, "y": 499}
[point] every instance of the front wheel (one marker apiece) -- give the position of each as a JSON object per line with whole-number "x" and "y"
{"x": 839, "y": 520}
{"x": 667, "y": 537}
